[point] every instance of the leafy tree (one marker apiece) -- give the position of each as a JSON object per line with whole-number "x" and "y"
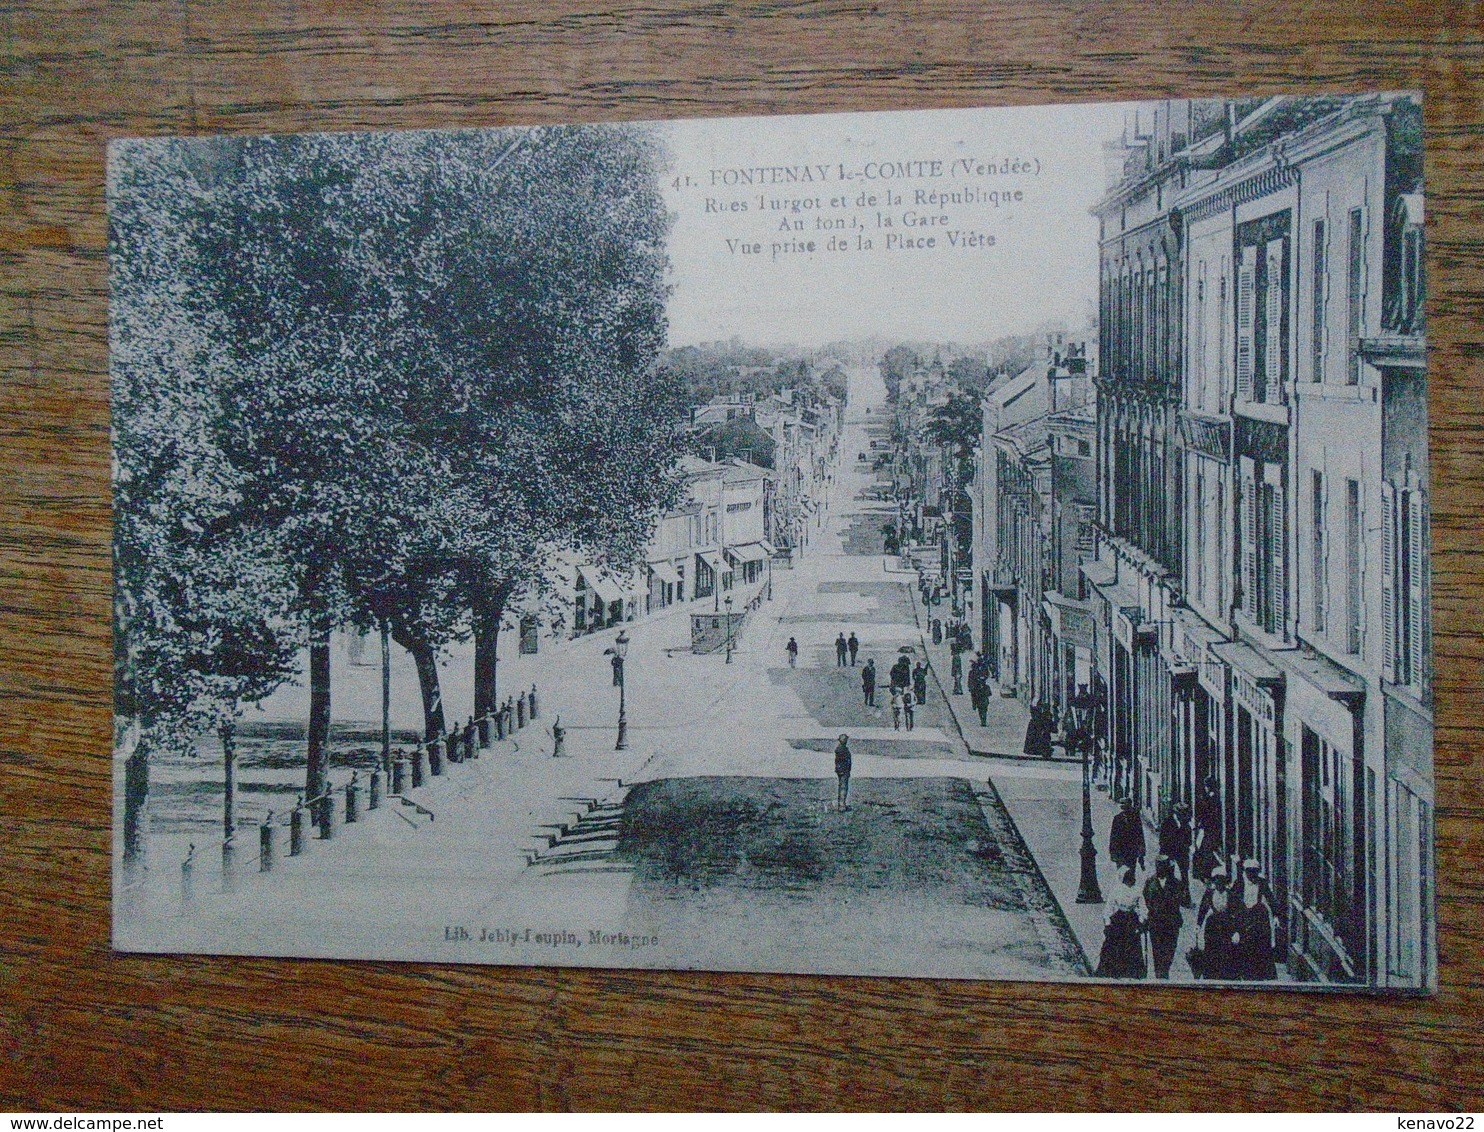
{"x": 897, "y": 365}
{"x": 199, "y": 598}
{"x": 529, "y": 268}
{"x": 955, "y": 426}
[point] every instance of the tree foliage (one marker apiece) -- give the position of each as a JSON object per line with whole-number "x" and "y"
{"x": 373, "y": 379}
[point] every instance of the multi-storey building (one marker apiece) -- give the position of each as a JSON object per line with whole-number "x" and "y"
{"x": 1037, "y": 477}
{"x": 1263, "y": 570}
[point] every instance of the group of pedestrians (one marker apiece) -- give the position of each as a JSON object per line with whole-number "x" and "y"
{"x": 1234, "y": 923}
{"x": 908, "y": 689}
{"x": 844, "y": 647}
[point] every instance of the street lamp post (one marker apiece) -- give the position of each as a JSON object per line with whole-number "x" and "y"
{"x": 729, "y": 630}
{"x": 1088, "y": 891}
{"x": 621, "y": 650}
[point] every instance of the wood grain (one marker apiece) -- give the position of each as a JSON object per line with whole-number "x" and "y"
{"x": 83, "y": 1028}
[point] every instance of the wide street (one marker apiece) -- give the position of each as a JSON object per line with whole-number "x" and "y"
{"x": 714, "y": 842}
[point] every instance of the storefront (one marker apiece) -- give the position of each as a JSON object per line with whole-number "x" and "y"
{"x": 1327, "y": 880}
{"x": 1254, "y": 767}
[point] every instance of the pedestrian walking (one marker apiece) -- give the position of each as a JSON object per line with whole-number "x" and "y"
{"x": 1251, "y": 905}
{"x": 956, "y": 668}
{"x": 1174, "y": 843}
{"x": 1218, "y": 932}
{"x": 841, "y": 648}
{"x": 979, "y": 689}
{"x": 1162, "y": 902}
{"x": 919, "y": 682}
{"x": 896, "y": 708}
{"x": 792, "y": 649}
{"x": 1126, "y": 838}
{"x": 1122, "y": 956}
{"x": 842, "y": 772}
{"x": 901, "y": 672}
{"x": 558, "y": 738}
{"x": 868, "y": 681}
{"x": 854, "y": 646}
{"x": 1038, "y": 733}
{"x": 1206, "y": 851}
{"x": 937, "y": 630}
{"x": 909, "y": 702}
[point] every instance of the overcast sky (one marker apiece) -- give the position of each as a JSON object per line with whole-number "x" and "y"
{"x": 1042, "y": 265}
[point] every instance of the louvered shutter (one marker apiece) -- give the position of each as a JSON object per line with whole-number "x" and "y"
{"x": 1388, "y": 582}
{"x": 1416, "y": 585}
{"x": 1273, "y": 320}
{"x": 1279, "y": 550}
{"x": 1246, "y": 301}
{"x": 1249, "y": 540}
{"x": 1325, "y": 575}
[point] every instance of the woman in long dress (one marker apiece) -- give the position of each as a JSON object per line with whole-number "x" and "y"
{"x": 1122, "y": 956}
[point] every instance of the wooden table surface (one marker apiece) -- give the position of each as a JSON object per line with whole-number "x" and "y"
{"x": 82, "y": 1028}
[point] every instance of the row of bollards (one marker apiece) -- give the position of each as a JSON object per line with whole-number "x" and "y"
{"x": 459, "y": 745}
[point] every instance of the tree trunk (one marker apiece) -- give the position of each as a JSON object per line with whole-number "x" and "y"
{"x": 228, "y": 732}
{"x": 136, "y": 809}
{"x": 488, "y": 612}
{"x": 426, "y": 659}
{"x": 386, "y": 701}
{"x": 318, "y": 771}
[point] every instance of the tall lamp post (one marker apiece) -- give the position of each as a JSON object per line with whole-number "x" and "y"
{"x": 729, "y": 630}
{"x": 620, "y": 650}
{"x": 1088, "y": 891}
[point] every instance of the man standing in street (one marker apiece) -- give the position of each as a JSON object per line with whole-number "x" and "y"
{"x": 979, "y": 689}
{"x": 842, "y": 772}
{"x": 854, "y": 646}
{"x": 868, "y": 681}
{"x": 1174, "y": 843}
{"x": 792, "y": 648}
{"x": 901, "y": 672}
{"x": 1126, "y": 839}
{"x": 919, "y": 682}
{"x": 840, "y": 650}
{"x": 1162, "y": 902}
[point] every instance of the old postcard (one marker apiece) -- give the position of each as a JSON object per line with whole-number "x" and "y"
{"x": 964, "y": 543}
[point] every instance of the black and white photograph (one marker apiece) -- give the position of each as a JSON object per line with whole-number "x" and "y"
{"x": 975, "y": 544}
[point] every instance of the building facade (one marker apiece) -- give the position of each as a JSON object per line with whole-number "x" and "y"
{"x": 1262, "y": 571}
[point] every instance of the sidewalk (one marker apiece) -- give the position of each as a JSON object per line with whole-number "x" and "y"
{"x": 1045, "y": 802}
{"x": 1007, "y": 716}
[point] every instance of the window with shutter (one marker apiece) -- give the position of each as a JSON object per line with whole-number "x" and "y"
{"x": 1355, "y": 272}
{"x": 1388, "y": 583}
{"x": 1249, "y": 539}
{"x": 1246, "y": 301}
{"x": 1198, "y": 346}
{"x": 1321, "y": 281}
{"x": 1352, "y": 566}
{"x": 1223, "y": 342}
{"x": 1416, "y": 589}
{"x": 1317, "y": 551}
{"x": 1278, "y": 552}
{"x": 1273, "y": 306}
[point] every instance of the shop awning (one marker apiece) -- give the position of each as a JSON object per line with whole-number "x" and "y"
{"x": 748, "y": 552}
{"x": 1248, "y": 660}
{"x": 712, "y": 560}
{"x": 1325, "y": 675}
{"x": 665, "y": 572}
{"x": 606, "y": 589}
